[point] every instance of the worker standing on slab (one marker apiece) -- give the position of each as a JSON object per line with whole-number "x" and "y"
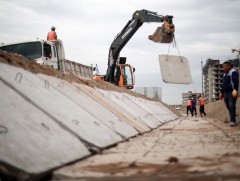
{"x": 229, "y": 90}
{"x": 201, "y": 102}
{"x": 189, "y": 106}
{"x": 52, "y": 35}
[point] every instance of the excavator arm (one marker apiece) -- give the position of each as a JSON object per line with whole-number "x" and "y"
{"x": 163, "y": 34}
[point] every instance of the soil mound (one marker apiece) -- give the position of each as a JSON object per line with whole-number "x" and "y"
{"x": 218, "y": 110}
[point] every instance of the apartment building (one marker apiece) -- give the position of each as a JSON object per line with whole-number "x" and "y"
{"x": 213, "y": 76}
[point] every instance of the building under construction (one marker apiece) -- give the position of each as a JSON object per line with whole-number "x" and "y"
{"x": 213, "y": 76}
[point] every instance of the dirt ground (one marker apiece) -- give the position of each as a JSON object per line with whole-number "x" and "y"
{"x": 190, "y": 148}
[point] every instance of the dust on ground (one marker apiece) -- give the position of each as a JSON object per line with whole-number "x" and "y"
{"x": 20, "y": 61}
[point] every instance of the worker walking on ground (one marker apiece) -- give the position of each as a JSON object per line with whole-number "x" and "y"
{"x": 189, "y": 106}
{"x": 201, "y": 102}
{"x": 194, "y": 104}
{"x": 230, "y": 90}
{"x": 52, "y": 35}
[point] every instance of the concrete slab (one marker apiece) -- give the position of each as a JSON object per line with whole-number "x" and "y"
{"x": 151, "y": 112}
{"x": 63, "y": 110}
{"x": 30, "y": 140}
{"x": 156, "y": 109}
{"x": 167, "y": 110}
{"x": 113, "y": 107}
{"x": 123, "y": 101}
{"x": 175, "y": 69}
{"x": 143, "y": 104}
{"x": 92, "y": 107}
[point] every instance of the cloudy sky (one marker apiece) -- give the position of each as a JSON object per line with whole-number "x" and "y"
{"x": 204, "y": 29}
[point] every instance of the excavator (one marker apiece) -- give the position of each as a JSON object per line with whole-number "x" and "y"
{"x": 120, "y": 73}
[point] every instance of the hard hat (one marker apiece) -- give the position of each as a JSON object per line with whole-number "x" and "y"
{"x": 53, "y": 28}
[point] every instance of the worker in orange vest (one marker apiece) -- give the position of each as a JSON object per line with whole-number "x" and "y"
{"x": 52, "y": 35}
{"x": 201, "y": 102}
{"x": 189, "y": 106}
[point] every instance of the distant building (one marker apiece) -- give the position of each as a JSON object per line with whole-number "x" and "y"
{"x": 152, "y": 92}
{"x": 213, "y": 77}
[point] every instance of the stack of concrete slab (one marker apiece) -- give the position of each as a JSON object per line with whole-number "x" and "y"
{"x": 46, "y": 122}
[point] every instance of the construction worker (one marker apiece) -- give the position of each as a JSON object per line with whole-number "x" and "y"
{"x": 52, "y": 35}
{"x": 189, "y": 106}
{"x": 194, "y": 104}
{"x": 230, "y": 90}
{"x": 201, "y": 102}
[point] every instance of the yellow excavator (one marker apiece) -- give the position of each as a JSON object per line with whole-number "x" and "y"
{"x": 120, "y": 73}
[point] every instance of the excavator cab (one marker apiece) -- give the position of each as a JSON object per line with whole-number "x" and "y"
{"x": 165, "y": 33}
{"x": 123, "y": 75}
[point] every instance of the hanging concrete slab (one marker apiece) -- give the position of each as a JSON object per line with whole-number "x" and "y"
{"x": 31, "y": 141}
{"x": 115, "y": 108}
{"x": 175, "y": 69}
{"x": 63, "y": 110}
{"x": 122, "y": 100}
{"x": 92, "y": 107}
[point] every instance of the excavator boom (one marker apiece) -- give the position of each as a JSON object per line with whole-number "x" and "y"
{"x": 163, "y": 34}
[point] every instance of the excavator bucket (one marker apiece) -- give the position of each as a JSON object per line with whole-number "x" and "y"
{"x": 160, "y": 36}
{"x": 175, "y": 69}
{"x": 163, "y": 34}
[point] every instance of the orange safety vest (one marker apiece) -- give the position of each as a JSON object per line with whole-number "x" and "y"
{"x": 189, "y": 103}
{"x": 52, "y": 35}
{"x": 201, "y": 101}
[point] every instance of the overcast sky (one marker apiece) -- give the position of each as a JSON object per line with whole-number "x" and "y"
{"x": 204, "y": 29}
